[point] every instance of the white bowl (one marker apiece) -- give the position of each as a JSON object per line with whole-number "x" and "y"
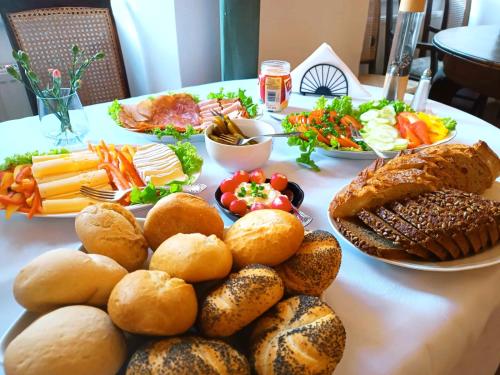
{"x": 248, "y": 157}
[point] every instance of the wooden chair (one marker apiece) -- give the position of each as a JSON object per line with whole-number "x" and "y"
{"x": 46, "y": 30}
{"x": 370, "y": 42}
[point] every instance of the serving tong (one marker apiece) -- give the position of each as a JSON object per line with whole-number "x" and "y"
{"x": 117, "y": 195}
{"x": 356, "y": 135}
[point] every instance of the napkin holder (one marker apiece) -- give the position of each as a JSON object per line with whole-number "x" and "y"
{"x": 324, "y": 79}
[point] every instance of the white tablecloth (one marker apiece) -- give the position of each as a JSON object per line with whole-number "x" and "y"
{"x": 398, "y": 321}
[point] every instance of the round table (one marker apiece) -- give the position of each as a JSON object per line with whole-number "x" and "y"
{"x": 398, "y": 321}
{"x": 471, "y": 57}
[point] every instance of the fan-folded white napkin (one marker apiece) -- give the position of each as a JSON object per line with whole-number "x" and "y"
{"x": 325, "y": 55}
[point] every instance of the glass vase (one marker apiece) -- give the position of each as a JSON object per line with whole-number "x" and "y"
{"x": 63, "y": 119}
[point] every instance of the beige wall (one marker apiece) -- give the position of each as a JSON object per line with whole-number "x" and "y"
{"x": 292, "y": 29}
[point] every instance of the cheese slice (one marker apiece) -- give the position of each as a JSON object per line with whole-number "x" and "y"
{"x": 76, "y": 162}
{"x": 75, "y": 194}
{"x": 40, "y": 158}
{"x": 61, "y": 206}
{"x": 73, "y": 184}
{"x": 158, "y": 164}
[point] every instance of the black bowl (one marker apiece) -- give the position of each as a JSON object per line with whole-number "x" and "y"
{"x": 292, "y": 191}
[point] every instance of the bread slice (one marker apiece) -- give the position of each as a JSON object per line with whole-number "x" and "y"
{"x": 412, "y": 232}
{"x": 428, "y": 220}
{"x": 370, "y": 242}
{"x": 388, "y": 232}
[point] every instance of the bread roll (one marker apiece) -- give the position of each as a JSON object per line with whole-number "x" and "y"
{"x": 153, "y": 303}
{"x": 244, "y": 296}
{"x": 299, "y": 336}
{"x": 66, "y": 277}
{"x": 181, "y": 213}
{"x": 264, "y": 236}
{"x": 187, "y": 356}
{"x": 314, "y": 266}
{"x": 76, "y": 340}
{"x": 193, "y": 257}
{"x": 111, "y": 230}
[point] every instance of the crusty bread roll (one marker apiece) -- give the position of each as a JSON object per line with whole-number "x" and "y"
{"x": 187, "y": 356}
{"x": 76, "y": 340}
{"x": 66, "y": 277}
{"x": 299, "y": 336}
{"x": 266, "y": 237}
{"x": 181, "y": 213}
{"x": 314, "y": 266}
{"x": 193, "y": 257}
{"x": 110, "y": 229}
{"x": 469, "y": 168}
{"x": 153, "y": 303}
{"x": 244, "y": 296}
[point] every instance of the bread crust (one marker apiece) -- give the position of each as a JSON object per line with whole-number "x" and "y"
{"x": 469, "y": 168}
{"x": 181, "y": 213}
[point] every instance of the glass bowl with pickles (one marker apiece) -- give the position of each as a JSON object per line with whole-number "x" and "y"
{"x": 223, "y": 136}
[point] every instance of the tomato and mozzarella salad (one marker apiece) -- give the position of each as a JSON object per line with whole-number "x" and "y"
{"x": 244, "y": 192}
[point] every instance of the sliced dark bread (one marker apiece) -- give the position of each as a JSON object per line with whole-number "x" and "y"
{"x": 388, "y": 232}
{"x": 365, "y": 239}
{"x": 412, "y": 232}
{"x": 428, "y": 220}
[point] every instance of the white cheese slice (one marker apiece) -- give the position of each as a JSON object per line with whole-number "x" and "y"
{"x": 158, "y": 164}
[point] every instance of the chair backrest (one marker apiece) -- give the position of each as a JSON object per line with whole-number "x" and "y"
{"x": 370, "y": 42}
{"x": 47, "y": 29}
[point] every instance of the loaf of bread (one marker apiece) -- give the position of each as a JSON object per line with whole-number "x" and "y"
{"x": 76, "y": 340}
{"x": 244, "y": 296}
{"x": 153, "y": 303}
{"x": 299, "y": 336}
{"x": 110, "y": 229}
{"x": 314, "y": 266}
{"x": 193, "y": 257}
{"x": 181, "y": 213}
{"x": 266, "y": 237}
{"x": 187, "y": 356}
{"x": 66, "y": 277}
{"x": 468, "y": 168}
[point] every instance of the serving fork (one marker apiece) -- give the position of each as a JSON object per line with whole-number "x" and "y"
{"x": 236, "y": 141}
{"x": 304, "y": 218}
{"x": 116, "y": 195}
{"x": 356, "y": 135}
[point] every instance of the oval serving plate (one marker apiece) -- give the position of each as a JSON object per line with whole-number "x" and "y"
{"x": 486, "y": 258}
{"x": 292, "y": 191}
{"x": 370, "y": 155}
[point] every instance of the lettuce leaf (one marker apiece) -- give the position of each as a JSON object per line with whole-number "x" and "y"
{"x": 449, "y": 123}
{"x": 152, "y": 194}
{"x": 172, "y": 132}
{"x": 113, "y": 111}
{"x": 246, "y": 100}
{"x": 188, "y": 155}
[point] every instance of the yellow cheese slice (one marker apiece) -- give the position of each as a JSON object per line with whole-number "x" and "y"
{"x": 40, "y": 158}
{"x": 61, "y": 206}
{"x": 75, "y": 194}
{"x": 73, "y": 184}
{"x": 75, "y": 163}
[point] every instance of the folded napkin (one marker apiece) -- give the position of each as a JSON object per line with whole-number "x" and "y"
{"x": 325, "y": 55}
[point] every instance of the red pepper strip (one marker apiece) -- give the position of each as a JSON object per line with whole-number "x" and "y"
{"x": 129, "y": 167}
{"x": 321, "y": 137}
{"x": 346, "y": 142}
{"x": 35, "y": 205}
{"x": 90, "y": 147}
{"x": 315, "y": 117}
{"x": 332, "y": 116}
{"x": 25, "y": 172}
{"x": 116, "y": 176}
{"x": 15, "y": 199}
{"x": 105, "y": 151}
{"x": 348, "y": 120}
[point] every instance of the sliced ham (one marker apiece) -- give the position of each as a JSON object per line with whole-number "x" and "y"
{"x": 232, "y": 108}
{"x": 208, "y": 107}
{"x": 206, "y": 102}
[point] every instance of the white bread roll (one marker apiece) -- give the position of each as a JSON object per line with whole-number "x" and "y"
{"x": 110, "y": 229}
{"x": 193, "y": 257}
{"x": 187, "y": 356}
{"x": 153, "y": 303}
{"x": 299, "y": 336}
{"x": 66, "y": 277}
{"x": 181, "y": 213}
{"x": 75, "y": 340}
{"x": 244, "y": 296}
{"x": 314, "y": 266}
{"x": 265, "y": 237}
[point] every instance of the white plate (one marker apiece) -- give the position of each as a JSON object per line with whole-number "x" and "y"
{"x": 487, "y": 258}
{"x": 370, "y": 155}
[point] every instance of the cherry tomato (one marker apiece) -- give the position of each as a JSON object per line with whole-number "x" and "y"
{"x": 279, "y": 181}
{"x": 228, "y": 185}
{"x": 282, "y": 203}
{"x": 241, "y": 176}
{"x": 238, "y": 207}
{"x": 227, "y": 198}
{"x": 258, "y": 206}
{"x": 258, "y": 176}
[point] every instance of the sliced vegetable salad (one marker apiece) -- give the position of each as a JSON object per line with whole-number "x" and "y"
{"x": 386, "y": 125}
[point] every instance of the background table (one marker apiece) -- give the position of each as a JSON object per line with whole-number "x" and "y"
{"x": 398, "y": 321}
